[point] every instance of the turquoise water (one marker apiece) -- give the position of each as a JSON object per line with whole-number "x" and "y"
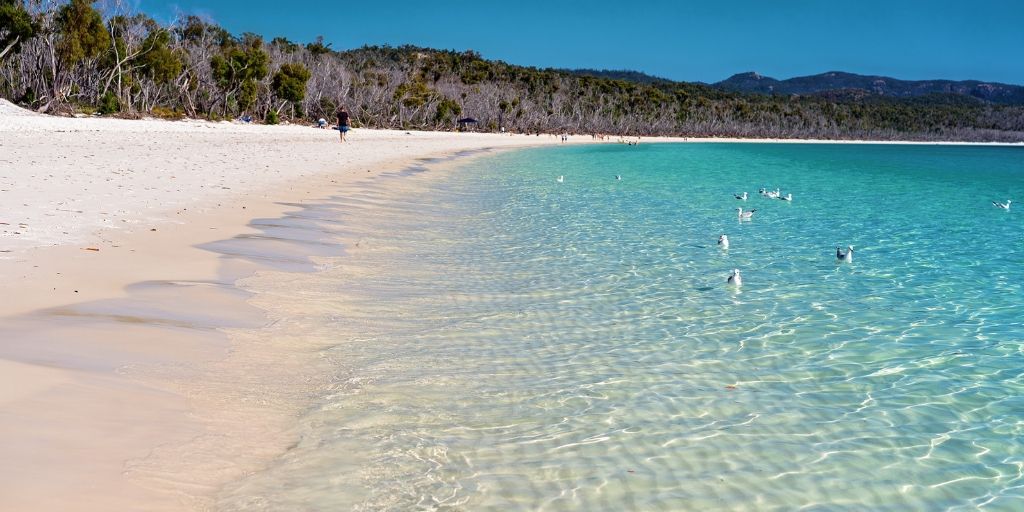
{"x": 506, "y": 342}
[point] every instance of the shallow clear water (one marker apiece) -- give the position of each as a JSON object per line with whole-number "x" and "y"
{"x": 505, "y": 342}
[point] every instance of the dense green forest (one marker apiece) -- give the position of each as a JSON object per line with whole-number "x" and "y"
{"x": 72, "y": 56}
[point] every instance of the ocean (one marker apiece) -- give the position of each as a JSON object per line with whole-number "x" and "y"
{"x": 493, "y": 339}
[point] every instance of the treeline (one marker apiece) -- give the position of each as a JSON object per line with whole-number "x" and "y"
{"x": 64, "y": 56}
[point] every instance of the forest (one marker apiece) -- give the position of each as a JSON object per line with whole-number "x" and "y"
{"x": 103, "y": 58}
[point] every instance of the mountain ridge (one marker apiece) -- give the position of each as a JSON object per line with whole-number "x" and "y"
{"x": 831, "y": 81}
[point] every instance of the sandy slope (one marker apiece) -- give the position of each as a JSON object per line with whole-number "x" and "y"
{"x": 113, "y": 351}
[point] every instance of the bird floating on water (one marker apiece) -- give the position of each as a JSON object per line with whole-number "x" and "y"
{"x": 617, "y": 177}
{"x": 734, "y": 278}
{"x": 741, "y": 197}
{"x": 745, "y": 215}
{"x": 561, "y": 179}
{"x": 723, "y": 241}
{"x": 1005, "y": 206}
{"x": 847, "y": 257}
{"x": 787, "y": 197}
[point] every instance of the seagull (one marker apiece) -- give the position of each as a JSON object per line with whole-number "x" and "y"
{"x": 741, "y": 197}
{"x": 723, "y": 241}
{"x": 734, "y": 278}
{"x": 1005, "y": 206}
{"x": 787, "y": 197}
{"x": 745, "y": 215}
{"x": 561, "y": 179}
{"x": 617, "y": 177}
{"x": 848, "y": 257}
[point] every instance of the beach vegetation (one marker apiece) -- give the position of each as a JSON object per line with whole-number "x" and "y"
{"x": 237, "y": 68}
{"x": 318, "y": 48}
{"x": 447, "y": 111}
{"x": 109, "y": 104}
{"x": 282, "y": 44}
{"x": 167, "y": 113}
{"x": 65, "y": 54}
{"x": 83, "y": 34}
{"x": 16, "y": 26}
{"x": 289, "y": 83}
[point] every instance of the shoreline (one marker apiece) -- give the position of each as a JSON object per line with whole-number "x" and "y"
{"x": 165, "y": 278}
{"x": 115, "y": 340}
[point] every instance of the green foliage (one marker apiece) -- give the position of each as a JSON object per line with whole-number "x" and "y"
{"x": 160, "y": 62}
{"x": 167, "y": 113}
{"x": 289, "y": 82}
{"x": 414, "y": 93}
{"x": 414, "y": 88}
{"x": 284, "y": 45}
{"x": 82, "y": 32}
{"x": 16, "y": 27}
{"x": 239, "y": 63}
{"x": 318, "y": 48}
{"x": 272, "y": 117}
{"x": 247, "y": 94}
{"x": 109, "y": 104}
{"x": 446, "y": 110}
{"x": 194, "y": 30}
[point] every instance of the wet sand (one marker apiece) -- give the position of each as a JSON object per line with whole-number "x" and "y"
{"x": 130, "y": 374}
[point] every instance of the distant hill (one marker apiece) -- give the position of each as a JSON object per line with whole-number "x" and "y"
{"x": 833, "y": 81}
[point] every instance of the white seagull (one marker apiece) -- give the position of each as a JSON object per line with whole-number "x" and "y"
{"x": 787, "y": 197}
{"x": 1005, "y": 206}
{"x": 734, "y": 278}
{"x": 745, "y": 215}
{"x": 741, "y": 197}
{"x": 617, "y": 177}
{"x": 847, "y": 257}
{"x": 561, "y": 179}
{"x": 723, "y": 241}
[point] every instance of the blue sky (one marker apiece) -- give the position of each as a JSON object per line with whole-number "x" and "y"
{"x": 683, "y": 40}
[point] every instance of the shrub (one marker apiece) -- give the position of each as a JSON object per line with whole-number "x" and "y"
{"x": 272, "y": 117}
{"x": 167, "y": 113}
{"x": 109, "y": 104}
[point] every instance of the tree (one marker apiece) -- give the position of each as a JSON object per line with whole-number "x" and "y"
{"x": 318, "y": 48}
{"x": 289, "y": 83}
{"x": 83, "y": 34}
{"x": 67, "y": 57}
{"x": 160, "y": 62}
{"x": 447, "y": 109}
{"x": 16, "y": 26}
{"x": 238, "y": 68}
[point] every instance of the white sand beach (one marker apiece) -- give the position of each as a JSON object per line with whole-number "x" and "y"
{"x": 92, "y": 213}
{"x": 113, "y": 306}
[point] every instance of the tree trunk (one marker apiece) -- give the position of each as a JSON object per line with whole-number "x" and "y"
{"x": 9, "y": 47}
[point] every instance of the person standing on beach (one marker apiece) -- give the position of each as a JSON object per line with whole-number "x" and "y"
{"x": 343, "y": 122}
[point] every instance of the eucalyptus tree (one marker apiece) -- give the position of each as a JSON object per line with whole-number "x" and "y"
{"x": 16, "y": 26}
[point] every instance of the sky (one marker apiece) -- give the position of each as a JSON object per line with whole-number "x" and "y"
{"x": 703, "y": 41}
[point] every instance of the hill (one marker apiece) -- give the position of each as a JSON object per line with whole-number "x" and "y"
{"x": 751, "y": 82}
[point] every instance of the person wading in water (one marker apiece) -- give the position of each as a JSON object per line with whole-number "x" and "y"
{"x": 343, "y": 122}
